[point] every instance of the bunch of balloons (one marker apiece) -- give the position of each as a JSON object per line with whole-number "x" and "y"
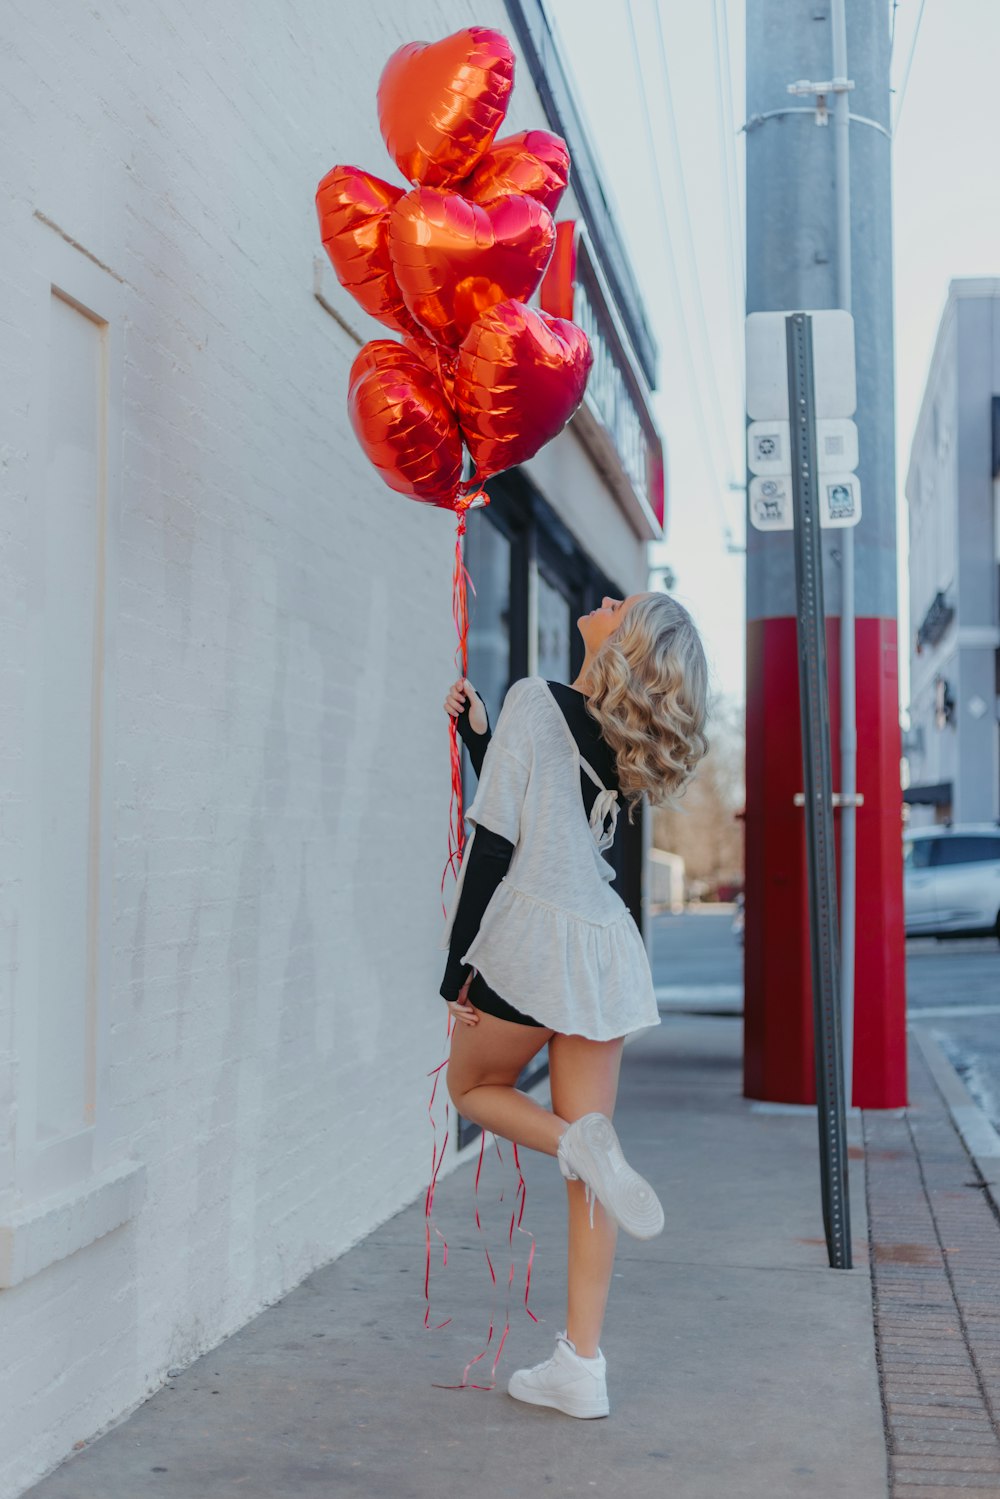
{"x": 448, "y": 266}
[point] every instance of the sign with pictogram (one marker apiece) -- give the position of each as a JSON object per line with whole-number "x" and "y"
{"x": 770, "y": 500}
{"x": 839, "y": 499}
{"x": 769, "y": 446}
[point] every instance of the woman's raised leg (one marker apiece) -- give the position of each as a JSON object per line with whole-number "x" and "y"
{"x": 584, "y": 1076}
{"x": 486, "y": 1061}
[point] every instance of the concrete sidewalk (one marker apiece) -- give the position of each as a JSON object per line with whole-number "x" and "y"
{"x": 739, "y": 1363}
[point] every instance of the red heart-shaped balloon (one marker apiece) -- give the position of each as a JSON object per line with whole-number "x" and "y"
{"x": 453, "y": 259}
{"x": 439, "y": 359}
{"x": 441, "y": 103}
{"x": 534, "y": 162}
{"x": 404, "y": 424}
{"x": 353, "y": 210}
{"x": 521, "y": 374}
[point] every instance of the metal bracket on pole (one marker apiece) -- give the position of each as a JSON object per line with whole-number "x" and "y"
{"x": 839, "y": 800}
{"x": 804, "y": 89}
{"x": 818, "y": 795}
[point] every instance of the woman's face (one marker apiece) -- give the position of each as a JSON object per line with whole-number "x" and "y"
{"x": 596, "y": 626}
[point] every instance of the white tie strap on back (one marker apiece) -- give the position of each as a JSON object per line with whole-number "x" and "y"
{"x": 606, "y": 802}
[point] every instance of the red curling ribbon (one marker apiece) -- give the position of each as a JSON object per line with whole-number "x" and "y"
{"x": 466, "y": 1383}
{"x": 522, "y": 1192}
{"x": 456, "y": 840}
{"x": 516, "y": 1221}
{"x": 437, "y": 1156}
{"x": 460, "y": 614}
{"x": 460, "y": 580}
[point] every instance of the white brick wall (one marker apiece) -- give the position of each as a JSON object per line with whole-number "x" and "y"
{"x": 271, "y": 826}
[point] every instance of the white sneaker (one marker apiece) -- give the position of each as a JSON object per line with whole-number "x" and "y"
{"x": 571, "y": 1384}
{"x": 589, "y": 1151}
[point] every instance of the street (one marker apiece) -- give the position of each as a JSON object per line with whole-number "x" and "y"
{"x": 957, "y": 984}
{"x": 696, "y": 960}
{"x": 697, "y": 964}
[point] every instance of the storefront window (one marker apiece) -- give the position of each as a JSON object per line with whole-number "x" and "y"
{"x": 488, "y": 559}
{"x": 554, "y": 630}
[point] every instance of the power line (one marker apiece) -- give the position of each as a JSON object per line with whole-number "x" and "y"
{"x": 699, "y": 298}
{"x": 725, "y": 74}
{"x": 909, "y": 65}
{"x": 736, "y": 230}
{"x": 735, "y": 261}
{"x": 709, "y": 447}
{"x": 685, "y": 213}
{"x": 726, "y": 437}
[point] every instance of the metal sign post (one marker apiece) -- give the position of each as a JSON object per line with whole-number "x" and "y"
{"x": 818, "y": 783}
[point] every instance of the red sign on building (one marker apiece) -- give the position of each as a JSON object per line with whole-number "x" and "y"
{"x": 615, "y": 419}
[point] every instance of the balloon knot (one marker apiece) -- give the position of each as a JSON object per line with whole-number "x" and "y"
{"x": 474, "y": 501}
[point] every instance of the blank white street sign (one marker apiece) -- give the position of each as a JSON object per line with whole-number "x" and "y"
{"x": 833, "y": 364}
{"x": 769, "y": 449}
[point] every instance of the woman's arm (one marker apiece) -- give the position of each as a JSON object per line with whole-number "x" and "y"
{"x": 495, "y": 812}
{"x": 459, "y": 703}
{"x": 474, "y": 743}
{"x": 489, "y": 858}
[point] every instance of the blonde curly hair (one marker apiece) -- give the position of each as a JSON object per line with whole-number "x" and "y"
{"x": 647, "y": 687}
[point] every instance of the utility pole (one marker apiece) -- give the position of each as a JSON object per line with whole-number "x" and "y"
{"x": 814, "y": 194}
{"x": 848, "y": 659}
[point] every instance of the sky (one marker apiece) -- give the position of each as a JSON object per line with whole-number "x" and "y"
{"x": 679, "y": 187}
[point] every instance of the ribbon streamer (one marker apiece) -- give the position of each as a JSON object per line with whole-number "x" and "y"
{"x": 456, "y": 841}
{"x": 516, "y": 1218}
{"x": 460, "y": 613}
{"x": 437, "y": 1156}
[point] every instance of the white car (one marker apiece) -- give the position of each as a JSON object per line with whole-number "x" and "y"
{"x": 951, "y": 880}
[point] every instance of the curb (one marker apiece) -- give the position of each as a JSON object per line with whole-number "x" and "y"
{"x": 979, "y": 1137}
{"x": 699, "y": 999}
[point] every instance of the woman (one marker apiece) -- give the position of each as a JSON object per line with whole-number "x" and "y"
{"x": 545, "y": 951}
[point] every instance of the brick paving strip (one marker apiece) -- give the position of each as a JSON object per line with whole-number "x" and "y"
{"x": 935, "y": 1248}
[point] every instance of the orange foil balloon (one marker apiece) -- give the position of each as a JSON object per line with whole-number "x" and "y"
{"x": 521, "y": 375}
{"x": 534, "y": 162}
{"x": 453, "y": 259}
{"x": 404, "y": 424}
{"x": 353, "y": 211}
{"x": 440, "y": 104}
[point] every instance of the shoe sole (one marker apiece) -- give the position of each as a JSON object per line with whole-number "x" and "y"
{"x": 569, "y": 1408}
{"x": 627, "y": 1196}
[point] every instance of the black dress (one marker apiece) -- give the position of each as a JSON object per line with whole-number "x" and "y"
{"x": 491, "y": 854}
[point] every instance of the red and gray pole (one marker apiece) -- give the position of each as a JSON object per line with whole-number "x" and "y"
{"x": 796, "y": 258}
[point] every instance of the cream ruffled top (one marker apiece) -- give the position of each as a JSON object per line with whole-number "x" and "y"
{"x": 555, "y": 939}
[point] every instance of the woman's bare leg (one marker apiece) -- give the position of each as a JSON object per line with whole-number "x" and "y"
{"x": 485, "y": 1062}
{"x": 584, "y": 1076}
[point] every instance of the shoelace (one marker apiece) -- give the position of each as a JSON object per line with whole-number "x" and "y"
{"x": 589, "y": 1195}
{"x": 548, "y": 1362}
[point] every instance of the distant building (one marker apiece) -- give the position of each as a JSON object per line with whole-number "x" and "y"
{"x": 953, "y": 491}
